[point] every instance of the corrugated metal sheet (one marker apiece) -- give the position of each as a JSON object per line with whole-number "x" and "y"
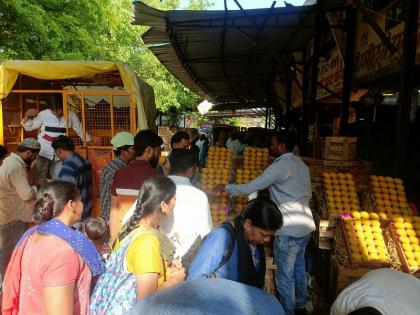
{"x": 227, "y": 57}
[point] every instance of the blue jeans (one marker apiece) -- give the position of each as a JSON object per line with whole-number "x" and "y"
{"x": 209, "y": 297}
{"x": 289, "y": 255}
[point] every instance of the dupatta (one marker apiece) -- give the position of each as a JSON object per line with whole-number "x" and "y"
{"x": 83, "y": 246}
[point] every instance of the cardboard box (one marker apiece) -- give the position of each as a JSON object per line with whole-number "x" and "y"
{"x": 340, "y": 148}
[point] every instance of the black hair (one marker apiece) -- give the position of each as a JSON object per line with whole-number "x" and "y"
{"x": 203, "y": 137}
{"x": 287, "y": 138}
{"x": 264, "y": 214}
{"x": 144, "y": 139}
{"x": 179, "y": 136}
{"x": 95, "y": 229}
{"x": 153, "y": 191}
{"x": 52, "y": 198}
{"x": 182, "y": 159}
{"x": 368, "y": 310}
{"x": 120, "y": 149}
{"x": 63, "y": 142}
{"x": 3, "y": 152}
{"x": 55, "y": 101}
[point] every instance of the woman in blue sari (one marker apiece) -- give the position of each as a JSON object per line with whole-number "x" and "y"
{"x": 52, "y": 266}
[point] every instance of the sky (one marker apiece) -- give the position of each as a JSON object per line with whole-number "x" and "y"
{"x": 247, "y": 4}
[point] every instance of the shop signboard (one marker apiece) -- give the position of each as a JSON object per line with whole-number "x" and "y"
{"x": 371, "y": 55}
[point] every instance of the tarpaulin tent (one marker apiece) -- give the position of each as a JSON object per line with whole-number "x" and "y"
{"x": 139, "y": 91}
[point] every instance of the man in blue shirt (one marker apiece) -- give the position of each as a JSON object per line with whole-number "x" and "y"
{"x": 76, "y": 170}
{"x": 288, "y": 181}
{"x": 236, "y": 252}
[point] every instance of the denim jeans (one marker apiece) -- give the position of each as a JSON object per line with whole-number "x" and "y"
{"x": 289, "y": 255}
{"x": 209, "y": 297}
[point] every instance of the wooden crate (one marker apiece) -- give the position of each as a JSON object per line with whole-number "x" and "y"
{"x": 340, "y": 148}
{"x": 366, "y": 264}
{"x": 324, "y": 236}
{"x": 326, "y": 233}
{"x": 342, "y": 276}
{"x": 404, "y": 264}
{"x": 269, "y": 282}
{"x": 360, "y": 169}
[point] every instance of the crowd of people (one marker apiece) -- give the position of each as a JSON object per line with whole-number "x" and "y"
{"x": 154, "y": 249}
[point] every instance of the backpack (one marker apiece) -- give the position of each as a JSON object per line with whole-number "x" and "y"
{"x": 188, "y": 258}
{"x": 228, "y": 252}
{"x": 116, "y": 290}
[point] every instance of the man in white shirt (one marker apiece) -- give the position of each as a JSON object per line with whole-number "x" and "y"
{"x": 191, "y": 216}
{"x": 382, "y": 292}
{"x": 17, "y": 197}
{"x": 52, "y": 124}
{"x": 288, "y": 181}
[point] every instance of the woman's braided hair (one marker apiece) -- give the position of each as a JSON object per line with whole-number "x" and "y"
{"x": 153, "y": 191}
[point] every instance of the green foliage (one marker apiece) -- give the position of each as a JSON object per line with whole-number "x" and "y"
{"x": 91, "y": 30}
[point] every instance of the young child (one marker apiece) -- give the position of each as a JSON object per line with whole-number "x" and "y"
{"x": 97, "y": 230}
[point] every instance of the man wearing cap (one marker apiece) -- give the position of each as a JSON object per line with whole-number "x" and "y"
{"x": 17, "y": 197}
{"x": 123, "y": 146}
{"x": 128, "y": 179}
{"x": 52, "y": 124}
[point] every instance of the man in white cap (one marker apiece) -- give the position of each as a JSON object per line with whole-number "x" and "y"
{"x": 17, "y": 197}
{"x": 123, "y": 146}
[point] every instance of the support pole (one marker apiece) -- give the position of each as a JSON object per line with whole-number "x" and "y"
{"x": 305, "y": 118}
{"x": 288, "y": 101}
{"x": 411, "y": 15}
{"x": 348, "y": 70}
{"x": 315, "y": 62}
{"x": 266, "y": 117}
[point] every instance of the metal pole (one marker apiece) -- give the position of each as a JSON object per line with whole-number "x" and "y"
{"x": 411, "y": 15}
{"x": 315, "y": 62}
{"x": 288, "y": 102}
{"x": 266, "y": 117}
{"x": 305, "y": 120}
{"x": 348, "y": 70}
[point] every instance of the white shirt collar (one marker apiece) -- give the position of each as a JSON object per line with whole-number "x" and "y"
{"x": 180, "y": 180}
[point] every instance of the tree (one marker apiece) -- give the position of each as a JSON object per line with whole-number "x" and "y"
{"x": 91, "y": 30}
{"x": 51, "y": 29}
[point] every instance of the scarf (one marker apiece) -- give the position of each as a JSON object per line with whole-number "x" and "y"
{"x": 167, "y": 249}
{"x": 83, "y": 246}
{"x": 247, "y": 272}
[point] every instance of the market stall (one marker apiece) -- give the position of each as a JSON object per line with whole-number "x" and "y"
{"x": 364, "y": 221}
{"x": 106, "y": 97}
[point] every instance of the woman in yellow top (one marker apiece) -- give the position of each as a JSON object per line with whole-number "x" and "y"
{"x": 142, "y": 262}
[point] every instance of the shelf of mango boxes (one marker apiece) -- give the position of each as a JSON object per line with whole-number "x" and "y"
{"x": 218, "y": 171}
{"x": 222, "y": 168}
{"x": 386, "y": 233}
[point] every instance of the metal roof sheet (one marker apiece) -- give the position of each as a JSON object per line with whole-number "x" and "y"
{"x": 229, "y": 56}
